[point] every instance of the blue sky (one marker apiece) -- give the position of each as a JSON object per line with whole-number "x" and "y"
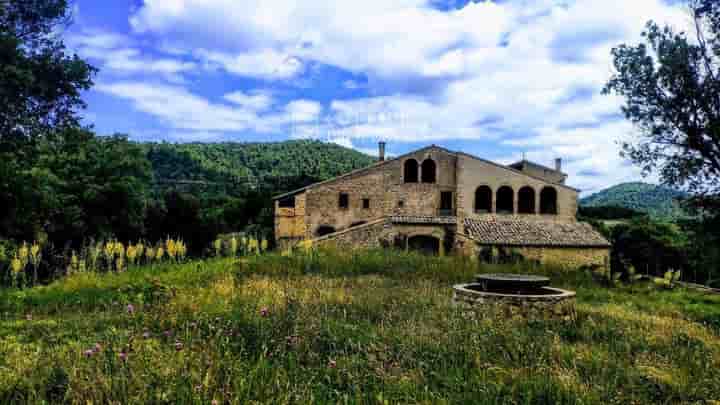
{"x": 492, "y": 78}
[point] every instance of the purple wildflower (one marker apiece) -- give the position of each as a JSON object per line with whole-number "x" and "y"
{"x": 178, "y": 346}
{"x": 146, "y": 335}
{"x": 130, "y": 309}
{"x": 167, "y": 333}
{"x": 214, "y": 402}
{"x": 123, "y": 356}
{"x": 332, "y": 364}
{"x": 264, "y": 312}
{"x": 97, "y": 348}
{"x": 88, "y": 353}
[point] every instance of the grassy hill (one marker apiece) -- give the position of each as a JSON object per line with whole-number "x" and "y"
{"x": 657, "y": 201}
{"x": 377, "y": 327}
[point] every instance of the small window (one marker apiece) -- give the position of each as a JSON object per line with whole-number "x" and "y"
{"x": 428, "y": 171}
{"x": 287, "y": 202}
{"x": 366, "y": 203}
{"x": 401, "y": 204}
{"x": 446, "y": 200}
{"x": 410, "y": 171}
{"x": 344, "y": 200}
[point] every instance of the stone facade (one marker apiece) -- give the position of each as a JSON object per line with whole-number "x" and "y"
{"x": 389, "y": 201}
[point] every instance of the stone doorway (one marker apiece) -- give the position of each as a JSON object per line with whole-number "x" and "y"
{"x": 428, "y": 245}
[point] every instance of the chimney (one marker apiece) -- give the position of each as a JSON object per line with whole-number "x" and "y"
{"x": 381, "y": 151}
{"x": 558, "y": 164}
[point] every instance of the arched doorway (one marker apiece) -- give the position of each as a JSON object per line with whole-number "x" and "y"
{"x": 425, "y": 244}
{"x": 483, "y": 200}
{"x": 548, "y": 201}
{"x": 323, "y": 230}
{"x": 505, "y": 200}
{"x": 526, "y": 200}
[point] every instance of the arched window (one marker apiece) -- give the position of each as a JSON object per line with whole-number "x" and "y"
{"x": 323, "y": 230}
{"x": 548, "y": 201}
{"x": 483, "y": 200}
{"x": 526, "y": 200}
{"x": 410, "y": 171}
{"x": 505, "y": 203}
{"x": 428, "y": 171}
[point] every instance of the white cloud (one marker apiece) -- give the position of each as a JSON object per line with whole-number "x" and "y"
{"x": 265, "y": 63}
{"x": 525, "y": 74}
{"x": 255, "y": 101}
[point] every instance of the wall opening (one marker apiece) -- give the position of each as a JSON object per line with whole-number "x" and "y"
{"x": 287, "y": 202}
{"x": 428, "y": 172}
{"x": 548, "y": 201}
{"x": 410, "y": 171}
{"x": 323, "y": 230}
{"x": 366, "y": 203}
{"x": 526, "y": 200}
{"x": 483, "y": 200}
{"x": 424, "y": 244}
{"x": 343, "y": 200}
{"x": 505, "y": 200}
{"x": 446, "y": 203}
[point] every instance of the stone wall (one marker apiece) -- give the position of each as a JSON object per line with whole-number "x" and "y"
{"x": 567, "y": 257}
{"x": 383, "y": 184}
{"x": 360, "y": 237}
{"x": 570, "y": 257}
{"x": 290, "y": 222}
{"x": 473, "y": 173}
{"x": 560, "y": 305}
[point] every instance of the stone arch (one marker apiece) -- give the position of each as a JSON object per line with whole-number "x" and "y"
{"x": 483, "y": 199}
{"x": 426, "y": 244}
{"x": 505, "y": 198}
{"x": 526, "y": 200}
{"x": 428, "y": 171}
{"x": 323, "y": 230}
{"x": 548, "y": 201}
{"x": 410, "y": 171}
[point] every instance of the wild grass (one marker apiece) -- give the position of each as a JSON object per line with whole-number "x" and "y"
{"x": 334, "y": 327}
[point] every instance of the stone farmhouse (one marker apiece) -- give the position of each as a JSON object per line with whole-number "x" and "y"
{"x": 441, "y": 201}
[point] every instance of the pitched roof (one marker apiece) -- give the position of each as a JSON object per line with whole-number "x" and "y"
{"x": 513, "y": 231}
{"x": 380, "y": 163}
{"x": 519, "y": 164}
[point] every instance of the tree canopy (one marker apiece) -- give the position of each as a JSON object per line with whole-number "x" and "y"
{"x": 671, "y": 87}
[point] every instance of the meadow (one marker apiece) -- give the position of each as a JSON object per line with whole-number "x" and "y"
{"x": 339, "y": 327}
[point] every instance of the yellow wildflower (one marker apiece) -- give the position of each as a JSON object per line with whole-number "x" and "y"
{"x": 233, "y": 246}
{"x": 264, "y": 245}
{"x": 149, "y": 254}
{"x": 217, "y": 244}
{"x": 171, "y": 248}
{"x": 131, "y": 254}
{"x": 24, "y": 252}
{"x": 35, "y": 254}
{"x": 159, "y": 253}
{"x": 16, "y": 265}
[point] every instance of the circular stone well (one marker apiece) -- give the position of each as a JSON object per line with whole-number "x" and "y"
{"x": 515, "y": 296}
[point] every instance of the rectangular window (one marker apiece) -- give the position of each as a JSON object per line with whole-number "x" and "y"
{"x": 446, "y": 203}
{"x": 366, "y": 203}
{"x": 344, "y": 200}
{"x": 287, "y": 202}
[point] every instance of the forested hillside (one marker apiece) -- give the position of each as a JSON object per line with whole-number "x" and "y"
{"x": 275, "y": 166}
{"x": 657, "y": 201}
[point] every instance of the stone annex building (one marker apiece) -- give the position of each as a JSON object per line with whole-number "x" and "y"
{"x": 439, "y": 201}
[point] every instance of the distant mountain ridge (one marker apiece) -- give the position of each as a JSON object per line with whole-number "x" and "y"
{"x": 654, "y": 200}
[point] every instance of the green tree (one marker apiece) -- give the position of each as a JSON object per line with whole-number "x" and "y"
{"x": 671, "y": 87}
{"x": 94, "y": 186}
{"x": 40, "y": 93}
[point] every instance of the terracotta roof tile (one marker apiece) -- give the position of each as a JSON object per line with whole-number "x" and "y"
{"x": 513, "y": 231}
